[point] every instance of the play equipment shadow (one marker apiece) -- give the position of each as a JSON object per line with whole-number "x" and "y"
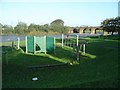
{"x": 64, "y": 54}
{"x": 23, "y": 48}
{"x": 24, "y": 60}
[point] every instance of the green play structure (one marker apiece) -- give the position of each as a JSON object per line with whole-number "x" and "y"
{"x": 35, "y": 44}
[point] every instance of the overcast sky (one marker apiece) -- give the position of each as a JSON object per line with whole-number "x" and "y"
{"x": 73, "y": 13}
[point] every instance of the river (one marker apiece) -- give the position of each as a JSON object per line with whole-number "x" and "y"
{"x": 9, "y": 38}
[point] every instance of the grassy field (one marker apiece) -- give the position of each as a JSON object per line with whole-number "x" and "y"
{"x": 97, "y": 69}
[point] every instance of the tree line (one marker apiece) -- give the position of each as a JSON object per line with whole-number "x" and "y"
{"x": 22, "y": 28}
{"x": 109, "y": 25}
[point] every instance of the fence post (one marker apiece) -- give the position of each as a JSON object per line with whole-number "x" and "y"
{"x": 26, "y": 44}
{"x": 18, "y": 43}
{"x": 12, "y": 45}
{"x": 34, "y": 45}
{"x": 77, "y": 51}
{"x": 54, "y": 46}
{"x": 77, "y": 40}
{"x": 62, "y": 39}
{"x": 45, "y": 44}
{"x": 83, "y": 48}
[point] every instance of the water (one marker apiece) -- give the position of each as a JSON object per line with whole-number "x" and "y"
{"x": 75, "y": 34}
{"x": 9, "y": 38}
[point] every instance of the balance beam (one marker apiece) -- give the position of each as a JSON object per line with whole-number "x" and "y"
{"x": 50, "y": 65}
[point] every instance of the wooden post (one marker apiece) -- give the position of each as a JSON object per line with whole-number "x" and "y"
{"x": 45, "y": 44}
{"x": 18, "y": 43}
{"x": 12, "y": 45}
{"x": 77, "y": 51}
{"x": 62, "y": 39}
{"x": 70, "y": 44}
{"x": 83, "y": 48}
{"x": 54, "y": 46}
{"x": 26, "y": 44}
{"x": 6, "y": 57}
{"x": 77, "y": 40}
{"x": 80, "y": 47}
{"x": 34, "y": 45}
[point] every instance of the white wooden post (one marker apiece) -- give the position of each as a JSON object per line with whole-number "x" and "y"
{"x": 62, "y": 39}
{"x": 77, "y": 40}
{"x": 18, "y": 43}
{"x": 45, "y": 44}
{"x": 83, "y": 48}
{"x": 54, "y": 45}
{"x": 34, "y": 45}
{"x": 77, "y": 51}
{"x": 26, "y": 44}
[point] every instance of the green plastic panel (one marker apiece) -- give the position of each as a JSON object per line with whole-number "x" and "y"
{"x": 40, "y": 44}
{"x": 30, "y": 43}
{"x": 49, "y": 44}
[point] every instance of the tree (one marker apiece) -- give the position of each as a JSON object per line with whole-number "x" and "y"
{"x": 1, "y": 28}
{"x": 31, "y": 27}
{"x": 117, "y": 24}
{"x": 41, "y": 28}
{"x": 58, "y": 22}
{"x": 7, "y": 29}
{"x": 46, "y": 27}
{"x": 57, "y": 26}
{"x": 111, "y": 25}
{"x": 21, "y": 28}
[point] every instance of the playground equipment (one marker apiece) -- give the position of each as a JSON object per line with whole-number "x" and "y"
{"x": 49, "y": 65}
{"x": 35, "y": 44}
{"x": 74, "y": 42}
{"x": 71, "y": 40}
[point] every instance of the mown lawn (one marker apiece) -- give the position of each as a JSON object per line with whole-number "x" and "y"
{"x": 97, "y": 69}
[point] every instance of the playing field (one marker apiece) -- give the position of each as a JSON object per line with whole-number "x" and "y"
{"x": 98, "y": 68}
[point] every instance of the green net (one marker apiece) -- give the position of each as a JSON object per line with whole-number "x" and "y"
{"x": 40, "y": 44}
{"x": 30, "y": 43}
{"x": 49, "y": 44}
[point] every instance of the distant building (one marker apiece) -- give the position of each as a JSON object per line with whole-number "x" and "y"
{"x": 70, "y": 30}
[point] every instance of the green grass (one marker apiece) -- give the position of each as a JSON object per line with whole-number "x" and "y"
{"x": 98, "y": 68}
{"x": 22, "y": 43}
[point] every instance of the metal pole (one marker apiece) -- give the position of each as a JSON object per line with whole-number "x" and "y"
{"x": 45, "y": 44}
{"x": 62, "y": 39}
{"x": 18, "y": 43}
{"x": 77, "y": 40}
{"x": 77, "y": 53}
{"x": 34, "y": 45}
{"x": 83, "y": 48}
{"x": 54, "y": 46}
{"x": 26, "y": 44}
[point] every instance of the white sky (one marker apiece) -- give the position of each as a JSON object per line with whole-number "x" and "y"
{"x": 72, "y": 12}
{"x": 60, "y": 0}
